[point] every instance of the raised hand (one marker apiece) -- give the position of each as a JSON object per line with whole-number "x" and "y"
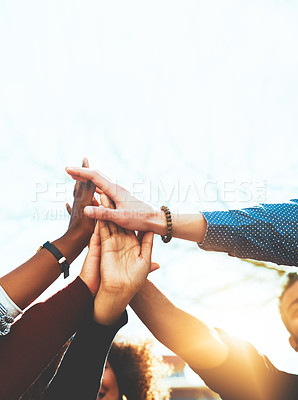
{"x": 125, "y": 264}
{"x": 23, "y": 285}
{"x": 130, "y": 212}
{"x": 90, "y": 271}
{"x": 83, "y": 196}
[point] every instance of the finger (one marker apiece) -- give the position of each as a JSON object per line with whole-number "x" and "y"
{"x": 95, "y": 238}
{"x": 75, "y": 189}
{"x": 68, "y": 208}
{"x": 102, "y": 182}
{"x": 140, "y": 236}
{"x": 107, "y": 203}
{"x": 85, "y": 162}
{"x": 147, "y": 244}
{"x": 129, "y": 232}
{"x": 77, "y": 178}
{"x": 99, "y": 191}
{"x": 96, "y": 228}
{"x": 85, "y": 191}
{"x": 104, "y": 231}
{"x": 95, "y": 202}
{"x": 154, "y": 267}
{"x": 94, "y": 241}
{"x": 91, "y": 188}
{"x": 102, "y": 213}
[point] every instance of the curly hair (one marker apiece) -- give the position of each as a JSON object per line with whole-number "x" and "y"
{"x": 138, "y": 370}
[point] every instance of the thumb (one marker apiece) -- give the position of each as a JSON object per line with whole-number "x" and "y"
{"x": 154, "y": 267}
{"x": 68, "y": 208}
{"x": 146, "y": 247}
{"x": 95, "y": 238}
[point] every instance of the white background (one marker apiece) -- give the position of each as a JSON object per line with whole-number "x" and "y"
{"x": 200, "y": 95}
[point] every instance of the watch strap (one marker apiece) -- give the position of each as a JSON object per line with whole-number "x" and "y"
{"x": 63, "y": 263}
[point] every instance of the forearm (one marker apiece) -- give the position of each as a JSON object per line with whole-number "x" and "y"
{"x": 108, "y": 307}
{"x": 267, "y": 232}
{"x": 182, "y": 333}
{"x": 25, "y": 283}
{"x": 185, "y": 226}
{"x": 37, "y": 337}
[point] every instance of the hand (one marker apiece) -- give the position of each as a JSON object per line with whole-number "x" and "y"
{"x": 125, "y": 264}
{"x": 83, "y": 196}
{"x": 90, "y": 271}
{"x": 130, "y": 213}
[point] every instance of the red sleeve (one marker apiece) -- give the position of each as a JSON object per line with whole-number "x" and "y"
{"x": 37, "y": 337}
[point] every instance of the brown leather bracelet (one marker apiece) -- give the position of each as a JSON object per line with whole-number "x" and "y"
{"x": 168, "y": 236}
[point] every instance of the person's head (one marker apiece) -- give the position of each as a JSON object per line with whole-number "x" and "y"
{"x": 109, "y": 389}
{"x": 133, "y": 372}
{"x": 288, "y": 307}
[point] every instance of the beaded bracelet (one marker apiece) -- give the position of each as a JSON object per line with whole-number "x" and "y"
{"x": 168, "y": 236}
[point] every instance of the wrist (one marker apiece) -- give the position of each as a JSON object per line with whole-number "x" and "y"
{"x": 143, "y": 291}
{"x": 184, "y": 226}
{"x": 114, "y": 295}
{"x": 158, "y": 222}
{"x": 77, "y": 236}
{"x": 108, "y": 308}
{"x": 70, "y": 244}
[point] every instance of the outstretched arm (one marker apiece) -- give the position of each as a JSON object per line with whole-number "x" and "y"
{"x": 38, "y": 336}
{"x": 124, "y": 265}
{"x": 228, "y": 365}
{"x": 132, "y": 213}
{"x": 187, "y": 336}
{"x": 267, "y": 232}
{"x": 25, "y": 283}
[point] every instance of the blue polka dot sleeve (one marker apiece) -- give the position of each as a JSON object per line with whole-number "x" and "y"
{"x": 267, "y": 232}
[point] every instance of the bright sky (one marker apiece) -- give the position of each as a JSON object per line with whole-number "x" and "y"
{"x": 191, "y": 103}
